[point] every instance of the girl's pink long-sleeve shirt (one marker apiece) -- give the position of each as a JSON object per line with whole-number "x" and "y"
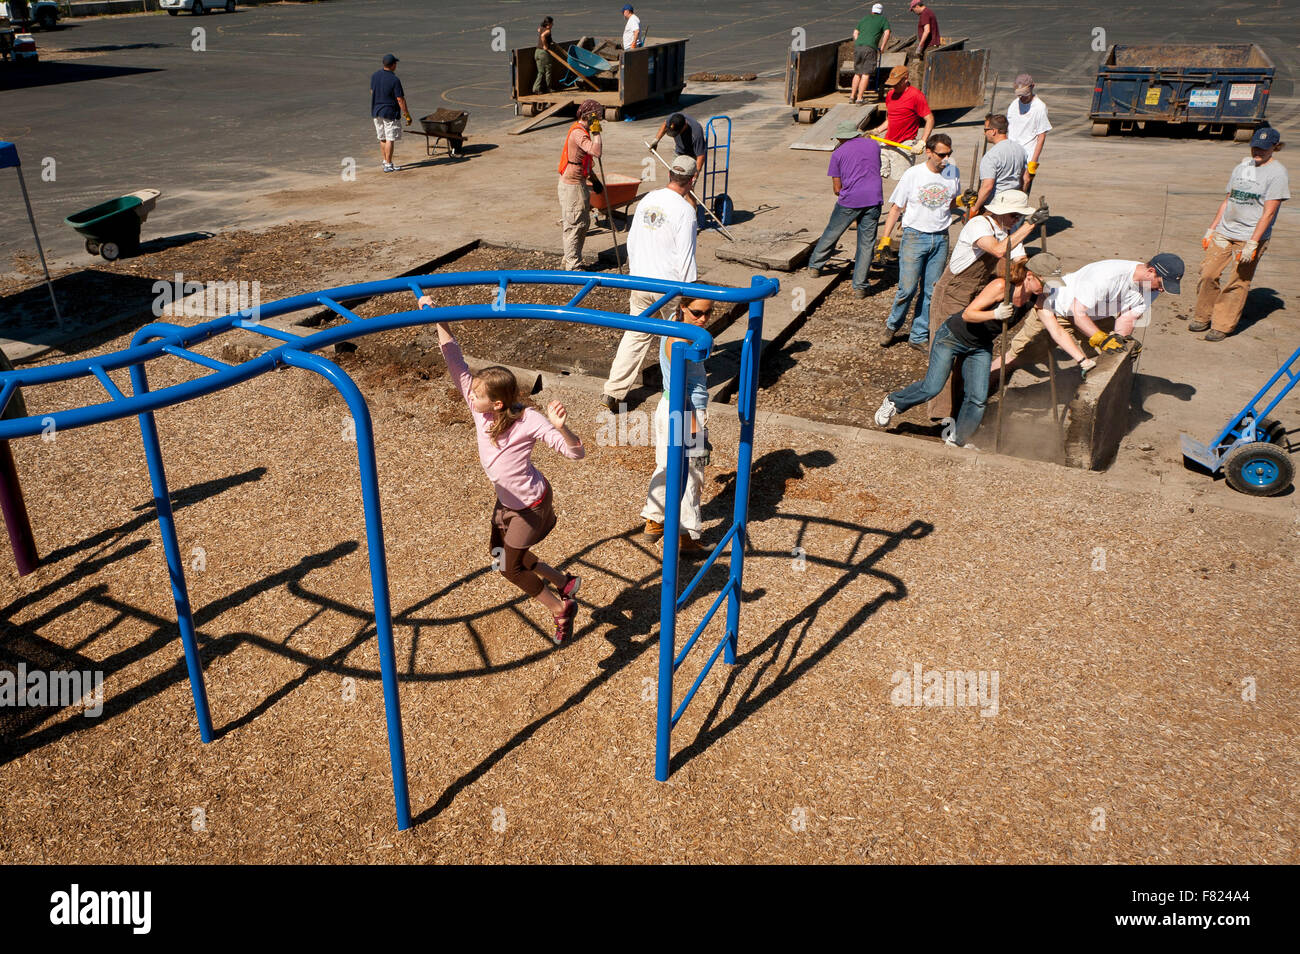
{"x": 508, "y": 464}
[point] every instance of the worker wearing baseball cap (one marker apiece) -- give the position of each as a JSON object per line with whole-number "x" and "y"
{"x": 870, "y": 38}
{"x": 633, "y": 32}
{"x": 386, "y": 99}
{"x": 582, "y": 145}
{"x": 1027, "y": 125}
{"x": 1239, "y": 234}
{"x": 905, "y": 112}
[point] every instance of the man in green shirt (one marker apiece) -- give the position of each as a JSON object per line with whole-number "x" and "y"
{"x": 869, "y": 39}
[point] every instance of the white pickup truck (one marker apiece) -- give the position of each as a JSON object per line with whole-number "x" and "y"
{"x": 44, "y": 13}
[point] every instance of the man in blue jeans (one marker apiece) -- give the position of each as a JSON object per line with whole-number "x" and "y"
{"x": 969, "y": 336}
{"x": 855, "y": 178}
{"x": 925, "y": 198}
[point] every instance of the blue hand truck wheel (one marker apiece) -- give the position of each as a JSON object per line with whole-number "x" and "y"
{"x": 723, "y": 207}
{"x": 1259, "y": 469}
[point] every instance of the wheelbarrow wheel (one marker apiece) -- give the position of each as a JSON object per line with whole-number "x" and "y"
{"x": 92, "y": 246}
{"x": 1259, "y": 469}
{"x": 110, "y": 251}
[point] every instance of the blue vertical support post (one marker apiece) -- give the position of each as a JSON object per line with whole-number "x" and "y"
{"x": 171, "y": 548}
{"x": 369, "y": 469}
{"x": 672, "y": 544}
{"x": 746, "y": 398}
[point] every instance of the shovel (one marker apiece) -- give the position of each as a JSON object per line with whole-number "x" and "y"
{"x": 697, "y": 199}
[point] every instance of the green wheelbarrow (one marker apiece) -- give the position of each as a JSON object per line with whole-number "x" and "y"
{"x": 112, "y": 228}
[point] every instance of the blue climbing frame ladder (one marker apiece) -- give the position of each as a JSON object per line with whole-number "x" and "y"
{"x": 717, "y": 166}
{"x": 163, "y": 340}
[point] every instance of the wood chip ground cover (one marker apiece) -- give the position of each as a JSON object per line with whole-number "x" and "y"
{"x": 1121, "y": 689}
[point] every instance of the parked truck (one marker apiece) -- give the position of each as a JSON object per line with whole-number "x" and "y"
{"x": 44, "y": 13}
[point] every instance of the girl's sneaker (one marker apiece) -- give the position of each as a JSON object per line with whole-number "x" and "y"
{"x": 570, "y": 588}
{"x": 564, "y": 623}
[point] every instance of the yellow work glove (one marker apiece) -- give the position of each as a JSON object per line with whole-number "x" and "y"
{"x": 407, "y": 117}
{"x": 1104, "y": 341}
{"x": 1205, "y": 242}
{"x": 1248, "y": 252}
{"x": 595, "y": 127}
{"x": 883, "y": 244}
{"x": 1032, "y": 168}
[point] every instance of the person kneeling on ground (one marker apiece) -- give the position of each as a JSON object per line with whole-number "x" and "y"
{"x": 698, "y": 448}
{"x": 968, "y": 335}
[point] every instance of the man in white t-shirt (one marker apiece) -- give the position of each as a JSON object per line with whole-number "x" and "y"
{"x": 660, "y": 244}
{"x": 924, "y": 197}
{"x": 1027, "y": 125}
{"x": 633, "y": 34}
{"x": 1116, "y": 289}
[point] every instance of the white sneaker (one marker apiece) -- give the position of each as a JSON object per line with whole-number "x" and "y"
{"x": 885, "y": 413}
{"x": 952, "y": 443}
{"x": 388, "y": 167}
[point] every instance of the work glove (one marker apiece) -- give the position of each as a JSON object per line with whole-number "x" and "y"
{"x": 654, "y": 144}
{"x": 595, "y": 127}
{"x": 407, "y": 117}
{"x": 1004, "y": 312}
{"x": 915, "y": 147}
{"x": 1032, "y": 168}
{"x": 1039, "y": 216}
{"x": 884, "y": 243}
{"x": 701, "y": 450}
{"x": 1209, "y": 237}
{"x": 1086, "y": 365}
{"x": 1105, "y": 342}
{"x": 596, "y": 187}
{"x": 967, "y": 199}
{"x": 1248, "y": 252}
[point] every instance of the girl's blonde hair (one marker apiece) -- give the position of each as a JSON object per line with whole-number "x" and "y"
{"x": 499, "y": 384}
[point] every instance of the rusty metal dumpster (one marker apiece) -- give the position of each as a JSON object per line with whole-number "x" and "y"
{"x": 1219, "y": 88}
{"x": 654, "y": 71}
{"x": 950, "y": 76}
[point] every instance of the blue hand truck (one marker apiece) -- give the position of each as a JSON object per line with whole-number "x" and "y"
{"x": 717, "y": 164}
{"x": 1252, "y": 450}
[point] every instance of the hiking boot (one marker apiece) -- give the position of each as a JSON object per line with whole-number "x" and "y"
{"x": 1215, "y": 336}
{"x": 921, "y": 346}
{"x": 690, "y": 547}
{"x": 885, "y": 413}
{"x": 653, "y": 528}
{"x": 1198, "y": 326}
{"x": 611, "y": 403}
{"x": 564, "y": 623}
{"x": 887, "y": 337}
{"x": 812, "y": 272}
{"x": 859, "y": 293}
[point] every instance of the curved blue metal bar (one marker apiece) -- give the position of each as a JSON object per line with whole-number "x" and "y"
{"x": 165, "y": 339}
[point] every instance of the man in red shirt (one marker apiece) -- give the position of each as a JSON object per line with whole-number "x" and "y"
{"x": 927, "y": 27}
{"x": 905, "y": 111}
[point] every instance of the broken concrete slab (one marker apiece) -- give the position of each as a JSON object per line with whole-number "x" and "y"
{"x": 784, "y": 256}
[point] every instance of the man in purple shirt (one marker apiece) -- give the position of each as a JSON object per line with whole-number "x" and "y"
{"x": 855, "y": 177}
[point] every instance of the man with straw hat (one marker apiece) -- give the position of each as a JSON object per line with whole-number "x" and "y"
{"x": 855, "y": 179}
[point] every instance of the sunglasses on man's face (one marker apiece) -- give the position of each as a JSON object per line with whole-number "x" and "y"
{"x": 942, "y": 155}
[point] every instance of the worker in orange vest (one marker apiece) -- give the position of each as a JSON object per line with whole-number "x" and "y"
{"x": 582, "y": 145}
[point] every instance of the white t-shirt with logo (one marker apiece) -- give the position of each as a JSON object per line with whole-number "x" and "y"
{"x": 925, "y": 198}
{"x": 1249, "y": 187}
{"x": 1105, "y": 289}
{"x": 630, "y": 29}
{"x": 661, "y": 242}
{"x": 965, "y": 252}
{"x": 1026, "y": 123}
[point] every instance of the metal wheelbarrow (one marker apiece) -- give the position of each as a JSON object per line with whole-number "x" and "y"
{"x": 448, "y": 124}
{"x": 585, "y": 63}
{"x": 113, "y": 227}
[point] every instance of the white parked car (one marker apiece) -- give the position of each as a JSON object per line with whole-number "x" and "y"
{"x": 196, "y": 7}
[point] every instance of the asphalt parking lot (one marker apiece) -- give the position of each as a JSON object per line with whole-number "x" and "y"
{"x": 126, "y": 102}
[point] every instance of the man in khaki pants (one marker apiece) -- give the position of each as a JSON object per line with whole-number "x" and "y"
{"x": 582, "y": 145}
{"x": 660, "y": 244}
{"x": 1256, "y": 190}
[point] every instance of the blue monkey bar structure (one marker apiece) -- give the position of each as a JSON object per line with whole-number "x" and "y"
{"x": 164, "y": 339}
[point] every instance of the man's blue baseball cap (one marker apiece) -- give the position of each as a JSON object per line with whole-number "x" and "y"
{"x": 1266, "y": 137}
{"x": 1169, "y": 267}
{"x": 627, "y": 8}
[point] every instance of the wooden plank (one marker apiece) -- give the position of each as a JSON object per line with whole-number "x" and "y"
{"x": 547, "y": 114}
{"x": 820, "y": 137}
